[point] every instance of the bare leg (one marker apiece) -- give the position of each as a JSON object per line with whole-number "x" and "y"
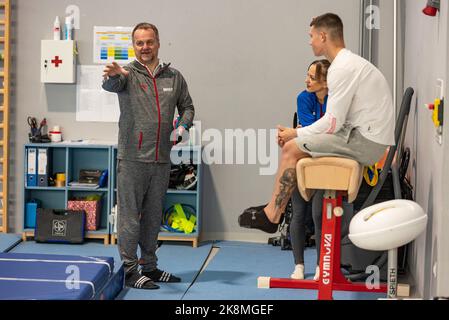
{"x": 285, "y": 181}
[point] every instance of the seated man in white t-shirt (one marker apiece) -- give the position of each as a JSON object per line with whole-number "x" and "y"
{"x": 358, "y": 123}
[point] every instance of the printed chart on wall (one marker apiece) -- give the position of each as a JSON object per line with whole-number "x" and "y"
{"x": 113, "y": 44}
{"x": 92, "y": 102}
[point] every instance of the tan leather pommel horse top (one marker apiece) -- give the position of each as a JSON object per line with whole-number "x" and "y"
{"x": 329, "y": 173}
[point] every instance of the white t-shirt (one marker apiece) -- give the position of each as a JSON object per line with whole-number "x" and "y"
{"x": 359, "y": 97}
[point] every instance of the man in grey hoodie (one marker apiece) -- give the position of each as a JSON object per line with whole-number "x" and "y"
{"x": 148, "y": 91}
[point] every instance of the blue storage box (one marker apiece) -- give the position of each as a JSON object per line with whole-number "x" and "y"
{"x": 30, "y": 213}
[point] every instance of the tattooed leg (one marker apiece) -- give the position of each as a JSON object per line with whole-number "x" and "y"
{"x": 287, "y": 184}
{"x": 285, "y": 181}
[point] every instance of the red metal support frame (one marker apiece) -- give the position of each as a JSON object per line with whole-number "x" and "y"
{"x": 331, "y": 277}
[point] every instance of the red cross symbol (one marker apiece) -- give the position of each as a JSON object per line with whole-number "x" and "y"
{"x": 56, "y": 61}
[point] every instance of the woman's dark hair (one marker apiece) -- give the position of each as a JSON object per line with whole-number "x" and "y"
{"x": 321, "y": 69}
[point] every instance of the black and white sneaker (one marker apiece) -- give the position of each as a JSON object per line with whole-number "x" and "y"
{"x": 138, "y": 281}
{"x": 161, "y": 276}
{"x": 189, "y": 181}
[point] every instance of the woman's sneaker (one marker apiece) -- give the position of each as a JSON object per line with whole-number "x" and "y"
{"x": 298, "y": 274}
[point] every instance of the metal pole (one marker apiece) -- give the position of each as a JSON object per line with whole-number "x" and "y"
{"x": 395, "y": 54}
{"x": 392, "y": 273}
{"x": 370, "y": 39}
{"x": 361, "y": 27}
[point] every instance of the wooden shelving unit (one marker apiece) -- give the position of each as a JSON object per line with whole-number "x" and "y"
{"x": 5, "y": 23}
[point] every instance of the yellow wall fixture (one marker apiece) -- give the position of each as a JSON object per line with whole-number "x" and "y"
{"x": 436, "y": 108}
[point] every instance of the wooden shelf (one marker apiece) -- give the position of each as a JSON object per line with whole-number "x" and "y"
{"x": 46, "y": 188}
{"x": 5, "y": 12}
{"x": 174, "y": 191}
{"x": 102, "y": 234}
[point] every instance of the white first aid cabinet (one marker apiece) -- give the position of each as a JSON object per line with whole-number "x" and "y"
{"x": 58, "y": 61}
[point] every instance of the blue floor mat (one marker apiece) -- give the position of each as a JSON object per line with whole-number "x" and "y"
{"x": 8, "y": 241}
{"x": 183, "y": 261}
{"x": 233, "y": 272}
{"x": 86, "y": 249}
{"x": 240, "y": 244}
{"x": 231, "y": 275}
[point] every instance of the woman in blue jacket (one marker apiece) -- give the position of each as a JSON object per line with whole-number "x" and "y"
{"x": 311, "y": 106}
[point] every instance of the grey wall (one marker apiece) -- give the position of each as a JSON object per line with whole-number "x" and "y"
{"x": 426, "y": 49}
{"x": 244, "y": 62}
{"x": 384, "y": 49}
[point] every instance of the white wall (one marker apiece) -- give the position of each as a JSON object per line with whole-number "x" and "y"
{"x": 244, "y": 62}
{"x": 426, "y": 48}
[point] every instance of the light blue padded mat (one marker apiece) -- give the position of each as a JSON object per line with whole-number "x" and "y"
{"x": 8, "y": 241}
{"x": 233, "y": 272}
{"x": 183, "y": 261}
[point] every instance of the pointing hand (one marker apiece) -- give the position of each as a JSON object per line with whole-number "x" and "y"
{"x": 114, "y": 69}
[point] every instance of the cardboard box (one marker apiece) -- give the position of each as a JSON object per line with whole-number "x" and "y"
{"x": 92, "y": 209}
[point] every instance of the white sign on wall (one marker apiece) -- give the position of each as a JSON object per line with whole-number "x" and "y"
{"x": 113, "y": 44}
{"x": 92, "y": 102}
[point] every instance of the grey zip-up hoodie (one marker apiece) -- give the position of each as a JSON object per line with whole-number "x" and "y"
{"x": 147, "y": 108}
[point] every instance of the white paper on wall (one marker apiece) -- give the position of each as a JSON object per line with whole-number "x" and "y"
{"x": 113, "y": 44}
{"x": 94, "y": 104}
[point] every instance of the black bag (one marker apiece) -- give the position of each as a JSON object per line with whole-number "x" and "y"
{"x": 63, "y": 226}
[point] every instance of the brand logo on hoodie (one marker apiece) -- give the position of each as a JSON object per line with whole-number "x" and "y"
{"x": 144, "y": 86}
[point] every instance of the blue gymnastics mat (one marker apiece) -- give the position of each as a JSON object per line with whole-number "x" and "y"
{"x": 30, "y": 276}
{"x": 89, "y": 249}
{"x": 183, "y": 261}
{"x": 8, "y": 241}
{"x": 233, "y": 273}
{"x": 86, "y": 249}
